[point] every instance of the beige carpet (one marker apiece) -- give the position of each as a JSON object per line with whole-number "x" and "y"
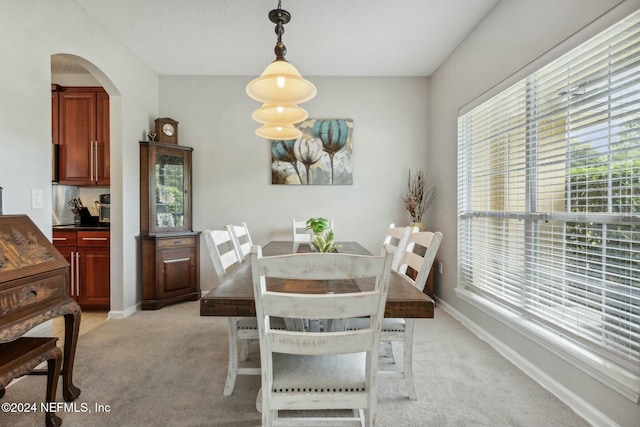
{"x": 168, "y": 367}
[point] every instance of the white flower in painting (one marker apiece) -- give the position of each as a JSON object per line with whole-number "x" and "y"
{"x": 308, "y": 150}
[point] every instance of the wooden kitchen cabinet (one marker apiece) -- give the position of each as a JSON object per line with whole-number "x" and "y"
{"x": 55, "y": 134}
{"x": 55, "y": 101}
{"x": 65, "y": 243}
{"x": 88, "y": 254}
{"x": 83, "y": 136}
{"x": 170, "y": 248}
{"x": 93, "y": 264}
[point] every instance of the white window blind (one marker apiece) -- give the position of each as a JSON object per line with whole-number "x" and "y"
{"x": 549, "y": 196}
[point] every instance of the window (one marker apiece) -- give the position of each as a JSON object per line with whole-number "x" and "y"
{"x": 549, "y": 197}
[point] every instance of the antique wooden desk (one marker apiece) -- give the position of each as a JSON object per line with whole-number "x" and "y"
{"x": 34, "y": 278}
{"x": 234, "y": 296}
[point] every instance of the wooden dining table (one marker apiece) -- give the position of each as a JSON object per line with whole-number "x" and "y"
{"x": 234, "y": 296}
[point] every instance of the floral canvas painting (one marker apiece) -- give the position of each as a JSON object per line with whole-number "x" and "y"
{"x": 321, "y": 156}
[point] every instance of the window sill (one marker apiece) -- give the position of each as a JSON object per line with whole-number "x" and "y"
{"x": 612, "y": 375}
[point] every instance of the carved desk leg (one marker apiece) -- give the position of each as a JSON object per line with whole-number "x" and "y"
{"x": 54, "y": 364}
{"x": 71, "y": 331}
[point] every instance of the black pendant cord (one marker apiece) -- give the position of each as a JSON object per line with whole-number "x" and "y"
{"x": 280, "y": 17}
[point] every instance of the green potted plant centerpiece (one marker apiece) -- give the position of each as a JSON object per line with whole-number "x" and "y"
{"x": 323, "y": 238}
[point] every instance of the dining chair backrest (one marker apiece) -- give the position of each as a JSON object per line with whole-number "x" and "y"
{"x": 241, "y": 238}
{"x": 300, "y": 232}
{"x": 223, "y": 252}
{"x": 398, "y": 237}
{"x": 338, "y": 376}
{"x": 419, "y": 256}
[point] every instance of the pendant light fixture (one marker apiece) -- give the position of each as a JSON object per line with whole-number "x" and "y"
{"x": 280, "y": 87}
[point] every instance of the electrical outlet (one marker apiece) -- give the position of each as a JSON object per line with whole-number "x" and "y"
{"x": 37, "y": 197}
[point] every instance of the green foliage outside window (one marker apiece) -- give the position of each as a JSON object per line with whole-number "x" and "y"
{"x": 602, "y": 185}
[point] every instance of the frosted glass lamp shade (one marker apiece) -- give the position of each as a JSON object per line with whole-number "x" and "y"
{"x": 278, "y": 132}
{"x": 279, "y": 114}
{"x": 281, "y": 84}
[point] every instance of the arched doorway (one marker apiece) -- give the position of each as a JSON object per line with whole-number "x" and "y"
{"x": 72, "y": 70}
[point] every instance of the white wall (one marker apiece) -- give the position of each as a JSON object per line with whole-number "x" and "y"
{"x": 512, "y": 35}
{"x": 33, "y": 30}
{"x": 232, "y": 166}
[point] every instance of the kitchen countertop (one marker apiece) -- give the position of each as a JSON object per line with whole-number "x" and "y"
{"x": 92, "y": 227}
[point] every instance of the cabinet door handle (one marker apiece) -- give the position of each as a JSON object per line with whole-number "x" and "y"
{"x": 72, "y": 272}
{"x": 176, "y": 242}
{"x": 97, "y": 164}
{"x": 95, "y": 238}
{"x": 77, "y": 274}
{"x": 60, "y": 238}
{"x": 91, "y": 160}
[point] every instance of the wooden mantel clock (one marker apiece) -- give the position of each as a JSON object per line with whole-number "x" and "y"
{"x": 167, "y": 130}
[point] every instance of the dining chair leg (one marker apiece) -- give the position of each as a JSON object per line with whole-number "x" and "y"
{"x": 367, "y": 418}
{"x": 392, "y": 350}
{"x": 243, "y": 350}
{"x": 407, "y": 362}
{"x": 268, "y": 417}
{"x": 232, "y": 369}
{"x": 259, "y": 401}
{"x": 362, "y": 414}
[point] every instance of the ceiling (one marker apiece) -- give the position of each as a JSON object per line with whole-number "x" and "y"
{"x": 324, "y": 37}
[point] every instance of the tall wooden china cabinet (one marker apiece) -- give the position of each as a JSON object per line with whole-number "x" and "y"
{"x": 170, "y": 247}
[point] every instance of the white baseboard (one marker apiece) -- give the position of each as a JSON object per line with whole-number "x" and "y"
{"x": 114, "y": 314}
{"x": 592, "y": 415}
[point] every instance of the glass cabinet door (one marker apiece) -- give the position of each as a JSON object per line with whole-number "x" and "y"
{"x": 166, "y": 191}
{"x": 170, "y": 191}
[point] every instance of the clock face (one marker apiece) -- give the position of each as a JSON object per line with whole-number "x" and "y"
{"x": 168, "y": 129}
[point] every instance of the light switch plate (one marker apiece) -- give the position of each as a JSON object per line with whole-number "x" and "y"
{"x": 37, "y": 201}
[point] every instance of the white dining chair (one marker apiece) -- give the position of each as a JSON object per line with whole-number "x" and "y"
{"x": 241, "y": 238}
{"x": 417, "y": 260}
{"x": 314, "y": 371}
{"x": 398, "y": 237}
{"x": 223, "y": 252}
{"x": 300, "y": 232}
{"x": 226, "y": 258}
